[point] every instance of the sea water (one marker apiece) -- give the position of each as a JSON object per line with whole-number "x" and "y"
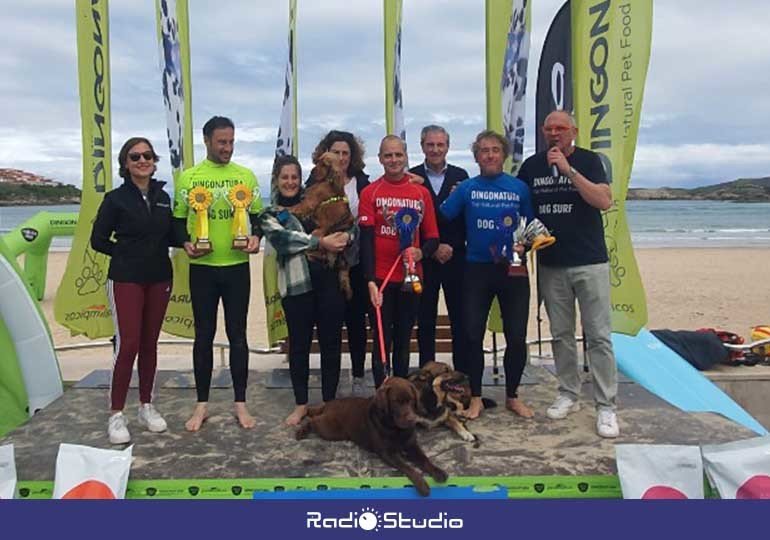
{"x": 652, "y": 223}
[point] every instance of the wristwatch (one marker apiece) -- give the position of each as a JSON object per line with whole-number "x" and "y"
{"x": 571, "y": 173}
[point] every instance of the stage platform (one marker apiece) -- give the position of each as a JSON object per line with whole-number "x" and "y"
{"x": 509, "y": 447}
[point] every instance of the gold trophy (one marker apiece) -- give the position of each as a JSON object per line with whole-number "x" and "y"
{"x": 199, "y": 200}
{"x": 240, "y": 198}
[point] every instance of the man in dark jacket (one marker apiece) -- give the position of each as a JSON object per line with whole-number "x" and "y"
{"x": 445, "y": 267}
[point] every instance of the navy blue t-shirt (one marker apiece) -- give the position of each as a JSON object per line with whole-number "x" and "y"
{"x": 484, "y": 200}
{"x": 576, "y": 224}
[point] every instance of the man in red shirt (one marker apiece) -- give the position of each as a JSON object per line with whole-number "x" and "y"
{"x": 380, "y": 248}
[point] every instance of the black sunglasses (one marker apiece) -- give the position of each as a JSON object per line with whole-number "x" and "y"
{"x": 148, "y": 156}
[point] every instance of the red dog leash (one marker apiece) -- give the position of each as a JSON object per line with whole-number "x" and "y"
{"x": 378, "y": 312}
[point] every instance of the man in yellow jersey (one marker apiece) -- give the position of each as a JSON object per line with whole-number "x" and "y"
{"x": 217, "y": 199}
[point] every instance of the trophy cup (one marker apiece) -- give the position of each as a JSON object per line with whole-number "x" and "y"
{"x": 514, "y": 230}
{"x": 411, "y": 279}
{"x": 240, "y": 198}
{"x": 406, "y": 221}
{"x": 536, "y": 236}
{"x": 200, "y": 200}
{"x": 516, "y": 266}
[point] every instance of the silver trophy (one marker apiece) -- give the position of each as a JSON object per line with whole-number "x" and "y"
{"x": 534, "y": 235}
{"x": 517, "y": 268}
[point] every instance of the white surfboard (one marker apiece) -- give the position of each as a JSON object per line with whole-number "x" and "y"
{"x": 34, "y": 350}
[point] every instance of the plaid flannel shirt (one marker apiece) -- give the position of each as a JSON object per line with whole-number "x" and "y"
{"x": 290, "y": 241}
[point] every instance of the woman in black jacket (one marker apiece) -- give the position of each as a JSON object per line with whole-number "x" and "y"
{"x": 350, "y": 151}
{"x": 138, "y": 213}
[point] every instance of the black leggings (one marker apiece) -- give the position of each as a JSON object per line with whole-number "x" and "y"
{"x": 448, "y": 276}
{"x": 482, "y": 282}
{"x": 399, "y": 311}
{"x": 355, "y": 320}
{"x": 321, "y": 308}
{"x": 207, "y": 285}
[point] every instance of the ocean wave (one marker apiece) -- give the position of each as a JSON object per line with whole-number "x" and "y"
{"x": 702, "y": 230}
{"x": 699, "y": 240}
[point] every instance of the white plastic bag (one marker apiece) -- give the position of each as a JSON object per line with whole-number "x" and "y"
{"x": 740, "y": 469}
{"x": 83, "y": 472}
{"x": 7, "y": 472}
{"x": 663, "y": 471}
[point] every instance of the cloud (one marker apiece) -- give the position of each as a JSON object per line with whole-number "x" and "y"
{"x": 704, "y": 115}
{"x": 691, "y": 165}
{"x": 248, "y": 133}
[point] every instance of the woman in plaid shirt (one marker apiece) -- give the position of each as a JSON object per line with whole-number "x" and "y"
{"x": 310, "y": 292}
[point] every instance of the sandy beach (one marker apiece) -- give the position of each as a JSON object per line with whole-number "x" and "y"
{"x": 686, "y": 288}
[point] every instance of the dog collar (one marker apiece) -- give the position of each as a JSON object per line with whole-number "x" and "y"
{"x": 333, "y": 200}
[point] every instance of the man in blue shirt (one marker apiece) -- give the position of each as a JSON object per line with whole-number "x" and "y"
{"x": 491, "y": 205}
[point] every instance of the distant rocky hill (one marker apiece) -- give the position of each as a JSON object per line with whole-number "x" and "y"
{"x": 741, "y": 190}
{"x": 19, "y": 188}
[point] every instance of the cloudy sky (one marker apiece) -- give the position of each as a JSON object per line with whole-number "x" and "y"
{"x": 705, "y": 116}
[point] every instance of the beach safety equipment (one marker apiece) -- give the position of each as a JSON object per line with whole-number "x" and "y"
{"x": 761, "y": 333}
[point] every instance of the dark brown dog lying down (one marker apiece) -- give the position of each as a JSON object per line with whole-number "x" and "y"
{"x": 383, "y": 424}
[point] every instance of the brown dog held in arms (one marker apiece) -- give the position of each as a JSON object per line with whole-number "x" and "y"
{"x": 325, "y": 203}
{"x": 444, "y": 394}
{"x": 383, "y": 424}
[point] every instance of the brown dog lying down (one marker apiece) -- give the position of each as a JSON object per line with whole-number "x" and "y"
{"x": 383, "y": 424}
{"x": 444, "y": 394}
{"x": 325, "y": 203}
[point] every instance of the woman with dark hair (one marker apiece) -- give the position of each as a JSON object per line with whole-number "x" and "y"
{"x": 310, "y": 291}
{"x": 350, "y": 151}
{"x": 138, "y": 213}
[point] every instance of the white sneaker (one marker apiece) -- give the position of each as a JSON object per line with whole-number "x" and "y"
{"x": 359, "y": 387}
{"x": 607, "y": 423}
{"x": 117, "y": 429}
{"x": 562, "y": 407}
{"x": 151, "y": 418}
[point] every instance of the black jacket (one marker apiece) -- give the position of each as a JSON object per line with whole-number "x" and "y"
{"x": 450, "y": 232}
{"x": 139, "y": 252}
{"x": 362, "y": 180}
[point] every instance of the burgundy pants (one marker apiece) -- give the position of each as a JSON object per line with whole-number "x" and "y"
{"x": 138, "y": 310}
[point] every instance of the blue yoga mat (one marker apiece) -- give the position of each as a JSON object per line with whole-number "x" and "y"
{"x": 468, "y": 492}
{"x": 649, "y": 362}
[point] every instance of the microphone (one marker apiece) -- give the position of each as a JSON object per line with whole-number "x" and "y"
{"x": 554, "y": 168}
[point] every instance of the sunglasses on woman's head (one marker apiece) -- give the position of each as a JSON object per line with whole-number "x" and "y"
{"x": 148, "y": 156}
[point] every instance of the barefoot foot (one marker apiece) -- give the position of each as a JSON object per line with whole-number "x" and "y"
{"x": 516, "y": 406}
{"x": 199, "y": 416}
{"x": 475, "y": 408}
{"x": 242, "y": 414}
{"x": 296, "y": 416}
